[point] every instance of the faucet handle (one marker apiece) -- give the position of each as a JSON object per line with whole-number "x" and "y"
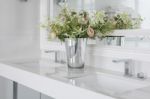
{"x": 141, "y": 75}
{"x": 122, "y": 60}
{"x": 58, "y": 56}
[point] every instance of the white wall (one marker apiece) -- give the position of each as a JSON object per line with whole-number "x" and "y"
{"x": 19, "y": 35}
{"x": 19, "y": 29}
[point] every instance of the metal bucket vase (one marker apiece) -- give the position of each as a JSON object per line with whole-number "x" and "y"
{"x": 75, "y": 50}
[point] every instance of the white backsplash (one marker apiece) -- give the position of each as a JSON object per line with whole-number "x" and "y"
{"x": 106, "y": 63}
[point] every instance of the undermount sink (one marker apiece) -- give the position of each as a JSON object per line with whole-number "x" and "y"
{"x": 105, "y": 83}
{"x": 108, "y": 84}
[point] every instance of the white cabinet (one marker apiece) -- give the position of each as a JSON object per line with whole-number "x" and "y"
{"x": 6, "y": 89}
{"x": 45, "y": 97}
{"x": 27, "y": 93}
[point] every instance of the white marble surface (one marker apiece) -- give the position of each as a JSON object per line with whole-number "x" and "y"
{"x": 142, "y": 93}
{"x": 43, "y": 76}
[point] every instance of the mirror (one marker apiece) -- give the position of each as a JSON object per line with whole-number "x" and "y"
{"x": 140, "y": 42}
{"x": 133, "y": 7}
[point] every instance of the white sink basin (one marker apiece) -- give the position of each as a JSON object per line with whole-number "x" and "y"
{"x": 108, "y": 84}
{"x": 101, "y": 82}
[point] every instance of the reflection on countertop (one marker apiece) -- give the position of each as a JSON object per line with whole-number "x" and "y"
{"x": 100, "y": 81}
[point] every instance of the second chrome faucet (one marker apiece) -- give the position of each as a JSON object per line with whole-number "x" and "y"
{"x": 128, "y": 66}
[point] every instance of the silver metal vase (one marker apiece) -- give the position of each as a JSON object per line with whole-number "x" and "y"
{"x": 75, "y": 50}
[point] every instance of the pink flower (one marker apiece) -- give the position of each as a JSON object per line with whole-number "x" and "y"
{"x": 90, "y": 32}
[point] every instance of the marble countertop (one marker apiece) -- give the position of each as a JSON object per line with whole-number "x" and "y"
{"x": 38, "y": 75}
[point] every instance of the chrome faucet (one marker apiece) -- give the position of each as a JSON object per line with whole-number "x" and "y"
{"x": 128, "y": 70}
{"x": 57, "y": 56}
